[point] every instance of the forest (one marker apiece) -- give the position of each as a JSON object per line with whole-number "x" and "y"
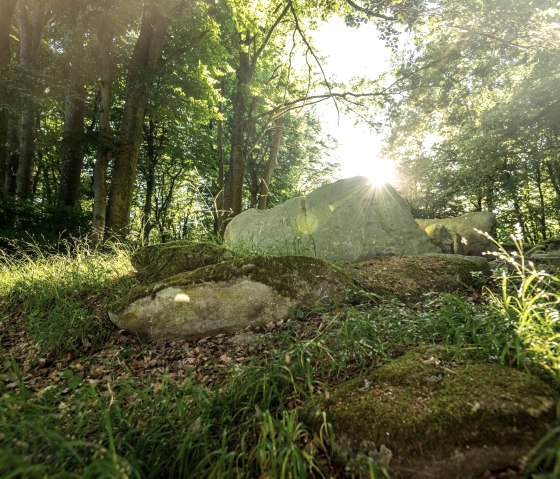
{"x": 161, "y": 120}
{"x": 132, "y": 133}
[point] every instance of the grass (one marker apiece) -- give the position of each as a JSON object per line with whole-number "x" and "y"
{"x": 81, "y": 400}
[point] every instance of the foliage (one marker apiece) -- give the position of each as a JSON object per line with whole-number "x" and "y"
{"x": 49, "y": 289}
{"x": 475, "y": 116}
{"x": 529, "y": 300}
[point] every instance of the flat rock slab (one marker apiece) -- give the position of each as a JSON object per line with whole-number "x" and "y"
{"x": 347, "y": 220}
{"x": 424, "y": 416}
{"x": 410, "y": 277}
{"x": 230, "y": 296}
{"x": 160, "y": 261}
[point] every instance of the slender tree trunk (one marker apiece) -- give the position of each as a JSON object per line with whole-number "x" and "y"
{"x": 7, "y": 7}
{"x": 271, "y": 163}
{"x": 154, "y": 146}
{"x": 31, "y": 20}
{"x": 13, "y": 159}
{"x": 105, "y": 142}
{"x": 542, "y": 205}
{"x": 144, "y": 60}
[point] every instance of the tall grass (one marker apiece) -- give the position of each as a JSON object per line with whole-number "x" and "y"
{"x": 60, "y": 297}
{"x": 529, "y": 300}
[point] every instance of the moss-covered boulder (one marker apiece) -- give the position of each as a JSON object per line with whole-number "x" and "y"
{"x": 426, "y": 416}
{"x": 409, "y": 277}
{"x": 160, "y": 261}
{"x": 230, "y": 296}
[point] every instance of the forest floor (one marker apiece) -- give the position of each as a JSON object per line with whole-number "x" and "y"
{"x": 82, "y": 399}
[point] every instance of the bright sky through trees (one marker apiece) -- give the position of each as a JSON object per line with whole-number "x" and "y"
{"x": 353, "y": 52}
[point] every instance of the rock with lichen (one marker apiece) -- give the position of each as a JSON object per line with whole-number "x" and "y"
{"x": 449, "y": 242}
{"x": 160, "y": 261}
{"x": 424, "y": 415}
{"x": 465, "y": 226}
{"x": 347, "y": 220}
{"x": 230, "y": 296}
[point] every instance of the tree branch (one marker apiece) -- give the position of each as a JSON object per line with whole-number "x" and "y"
{"x": 370, "y": 13}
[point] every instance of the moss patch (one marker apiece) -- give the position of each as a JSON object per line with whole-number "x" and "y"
{"x": 157, "y": 262}
{"x": 425, "y": 408}
{"x": 311, "y": 281}
{"x": 409, "y": 277}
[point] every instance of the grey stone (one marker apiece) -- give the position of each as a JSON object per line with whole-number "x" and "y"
{"x": 473, "y": 243}
{"x": 230, "y": 296}
{"x": 347, "y": 220}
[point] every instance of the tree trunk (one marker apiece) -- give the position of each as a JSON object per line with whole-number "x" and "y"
{"x": 74, "y": 111}
{"x": 271, "y": 163}
{"x": 13, "y": 158}
{"x": 154, "y": 145}
{"x": 144, "y": 60}
{"x": 74, "y": 108}
{"x": 105, "y": 142}
{"x": 31, "y": 20}
{"x": 7, "y": 7}
{"x": 233, "y": 189}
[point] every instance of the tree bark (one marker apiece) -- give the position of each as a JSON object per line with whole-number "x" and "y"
{"x": 13, "y": 158}
{"x": 264, "y": 192}
{"x": 105, "y": 141}
{"x": 147, "y": 53}
{"x": 7, "y": 7}
{"x": 74, "y": 111}
{"x": 233, "y": 189}
{"x": 31, "y": 20}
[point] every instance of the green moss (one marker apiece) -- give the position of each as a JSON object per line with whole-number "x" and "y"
{"x": 409, "y": 277}
{"x": 300, "y": 277}
{"x": 157, "y": 262}
{"x": 424, "y": 405}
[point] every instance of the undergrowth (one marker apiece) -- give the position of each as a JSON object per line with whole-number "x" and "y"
{"x": 61, "y": 297}
{"x": 245, "y": 425}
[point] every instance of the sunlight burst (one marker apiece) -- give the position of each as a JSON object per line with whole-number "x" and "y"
{"x": 380, "y": 172}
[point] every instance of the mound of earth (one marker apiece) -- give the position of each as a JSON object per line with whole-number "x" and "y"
{"x": 409, "y": 277}
{"x": 425, "y": 416}
{"x": 230, "y": 296}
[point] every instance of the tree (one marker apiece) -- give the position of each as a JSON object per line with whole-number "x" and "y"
{"x": 32, "y": 17}
{"x": 478, "y": 113}
{"x": 7, "y": 8}
{"x": 145, "y": 58}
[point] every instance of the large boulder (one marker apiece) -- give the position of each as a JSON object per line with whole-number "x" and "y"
{"x": 160, "y": 261}
{"x": 230, "y": 296}
{"x": 424, "y": 415}
{"x": 347, "y": 220}
{"x": 473, "y": 243}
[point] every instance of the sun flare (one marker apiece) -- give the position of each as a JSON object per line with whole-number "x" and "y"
{"x": 380, "y": 172}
